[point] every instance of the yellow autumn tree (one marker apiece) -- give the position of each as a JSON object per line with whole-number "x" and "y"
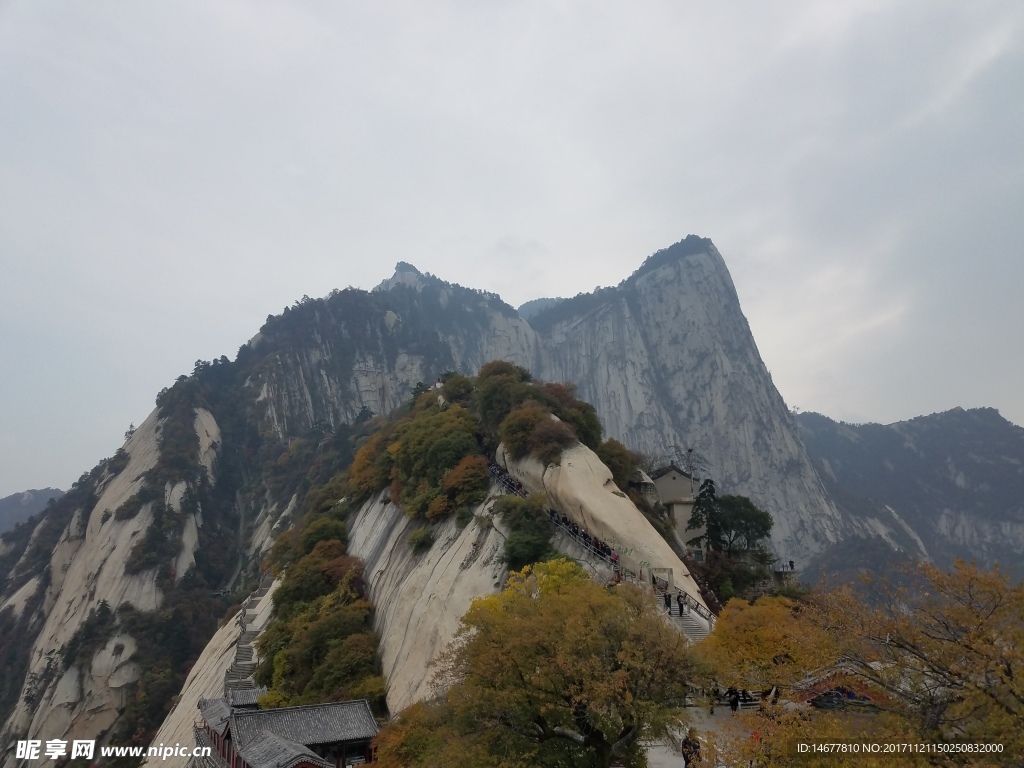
{"x": 947, "y": 648}
{"x": 772, "y": 642}
{"x": 944, "y": 654}
{"x": 767, "y": 738}
{"x": 555, "y": 670}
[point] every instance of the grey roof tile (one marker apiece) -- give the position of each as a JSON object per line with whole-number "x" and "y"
{"x": 310, "y": 725}
{"x": 215, "y": 712}
{"x": 214, "y": 760}
{"x": 271, "y": 750}
{"x": 245, "y": 697}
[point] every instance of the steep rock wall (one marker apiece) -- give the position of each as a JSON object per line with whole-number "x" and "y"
{"x": 420, "y": 598}
{"x": 87, "y": 566}
{"x": 581, "y": 488}
{"x": 667, "y": 359}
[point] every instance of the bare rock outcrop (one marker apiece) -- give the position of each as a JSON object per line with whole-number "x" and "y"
{"x": 66, "y": 697}
{"x": 580, "y": 486}
{"x": 420, "y": 597}
{"x": 667, "y": 359}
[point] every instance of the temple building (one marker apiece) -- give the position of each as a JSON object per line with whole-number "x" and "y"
{"x": 240, "y": 735}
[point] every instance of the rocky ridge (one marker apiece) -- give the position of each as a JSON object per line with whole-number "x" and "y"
{"x": 666, "y": 357}
{"x": 92, "y": 569}
{"x": 936, "y": 487}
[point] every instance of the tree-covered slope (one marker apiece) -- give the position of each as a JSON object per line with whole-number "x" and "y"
{"x": 955, "y": 478}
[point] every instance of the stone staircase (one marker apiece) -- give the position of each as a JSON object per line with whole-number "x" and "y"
{"x": 239, "y": 676}
{"x": 695, "y": 627}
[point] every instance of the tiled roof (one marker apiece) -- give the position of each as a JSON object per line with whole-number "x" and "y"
{"x": 661, "y": 472}
{"x": 270, "y": 750}
{"x": 203, "y": 739}
{"x": 310, "y": 725}
{"x": 215, "y": 712}
{"x": 640, "y": 477}
{"x": 245, "y": 697}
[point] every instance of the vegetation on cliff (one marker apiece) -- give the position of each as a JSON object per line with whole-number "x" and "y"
{"x": 731, "y": 525}
{"x": 432, "y": 457}
{"x": 529, "y": 537}
{"x": 321, "y": 645}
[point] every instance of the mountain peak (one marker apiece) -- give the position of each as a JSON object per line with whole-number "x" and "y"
{"x": 691, "y": 245}
{"x": 405, "y": 274}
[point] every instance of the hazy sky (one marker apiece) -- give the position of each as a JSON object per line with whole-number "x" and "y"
{"x": 171, "y": 173}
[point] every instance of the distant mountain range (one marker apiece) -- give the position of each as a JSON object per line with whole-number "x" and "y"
{"x": 949, "y": 485}
{"x": 532, "y": 308}
{"x": 19, "y": 507}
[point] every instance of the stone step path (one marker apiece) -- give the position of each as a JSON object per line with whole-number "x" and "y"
{"x": 239, "y": 676}
{"x": 694, "y": 626}
{"x": 696, "y": 623}
{"x": 238, "y": 685}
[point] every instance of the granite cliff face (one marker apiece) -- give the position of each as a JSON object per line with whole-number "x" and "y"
{"x": 666, "y": 357}
{"x": 420, "y": 597}
{"x": 76, "y": 680}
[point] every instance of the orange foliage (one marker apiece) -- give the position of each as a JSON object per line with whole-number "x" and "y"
{"x": 364, "y": 474}
{"x": 328, "y": 550}
{"x": 472, "y": 470}
{"x": 438, "y": 507}
{"x": 338, "y": 568}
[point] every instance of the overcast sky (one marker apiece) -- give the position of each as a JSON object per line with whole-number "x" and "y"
{"x": 171, "y": 173}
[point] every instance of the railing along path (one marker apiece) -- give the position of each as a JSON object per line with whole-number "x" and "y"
{"x": 685, "y": 603}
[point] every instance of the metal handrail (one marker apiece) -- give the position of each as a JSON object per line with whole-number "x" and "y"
{"x": 507, "y": 484}
{"x": 694, "y": 606}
